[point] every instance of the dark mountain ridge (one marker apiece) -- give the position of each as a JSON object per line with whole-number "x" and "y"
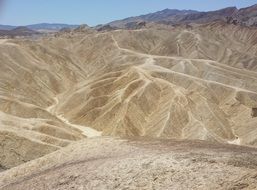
{"x": 19, "y": 31}
{"x": 42, "y": 26}
{"x": 245, "y": 16}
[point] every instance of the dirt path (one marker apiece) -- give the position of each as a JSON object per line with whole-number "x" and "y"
{"x": 150, "y": 62}
{"x": 87, "y": 131}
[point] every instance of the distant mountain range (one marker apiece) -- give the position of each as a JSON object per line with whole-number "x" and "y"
{"x": 19, "y": 31}
{"x": 246, "y": 16}
{"x": 42, "y": 27}
{"x": 231, "y": 15}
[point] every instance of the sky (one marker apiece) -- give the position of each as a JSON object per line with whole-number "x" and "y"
{"x": 93, "y": 12}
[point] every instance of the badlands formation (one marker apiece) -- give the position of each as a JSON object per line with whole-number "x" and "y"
{"x": 192, "y": 88}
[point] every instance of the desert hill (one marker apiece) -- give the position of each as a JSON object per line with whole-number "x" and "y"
{"x": 183, "y": 82}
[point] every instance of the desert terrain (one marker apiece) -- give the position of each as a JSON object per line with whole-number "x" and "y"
{"x": 125, "y": 108}
{"x": 110, "y": 163}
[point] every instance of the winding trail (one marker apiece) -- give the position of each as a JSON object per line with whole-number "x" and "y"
{"x": 86, "y": 131}
{"x": 150, "y": 62}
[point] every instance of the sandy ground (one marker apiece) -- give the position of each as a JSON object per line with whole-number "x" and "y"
{"x": 6, "y": 42}
{"x": 87, "y": 131}
{"x": 105, "y": 163}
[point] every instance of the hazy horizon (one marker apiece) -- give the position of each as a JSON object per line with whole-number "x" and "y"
{"x": 14, "y": 12}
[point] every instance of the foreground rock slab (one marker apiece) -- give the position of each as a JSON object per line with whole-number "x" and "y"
{"x": 107, "y": 163}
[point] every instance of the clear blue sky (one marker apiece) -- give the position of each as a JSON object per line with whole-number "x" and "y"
{"x": 93, "y": 12}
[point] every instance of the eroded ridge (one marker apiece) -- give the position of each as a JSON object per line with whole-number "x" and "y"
{"x": 195, "y": 83}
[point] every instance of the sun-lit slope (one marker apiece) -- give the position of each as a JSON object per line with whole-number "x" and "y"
{"x": 186, "y": 83}
{"x": 228, "y": 44}
{"x": 165, "y": 84}
{"x": 34, "y": 74}
{"x": 31, "y": 76}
